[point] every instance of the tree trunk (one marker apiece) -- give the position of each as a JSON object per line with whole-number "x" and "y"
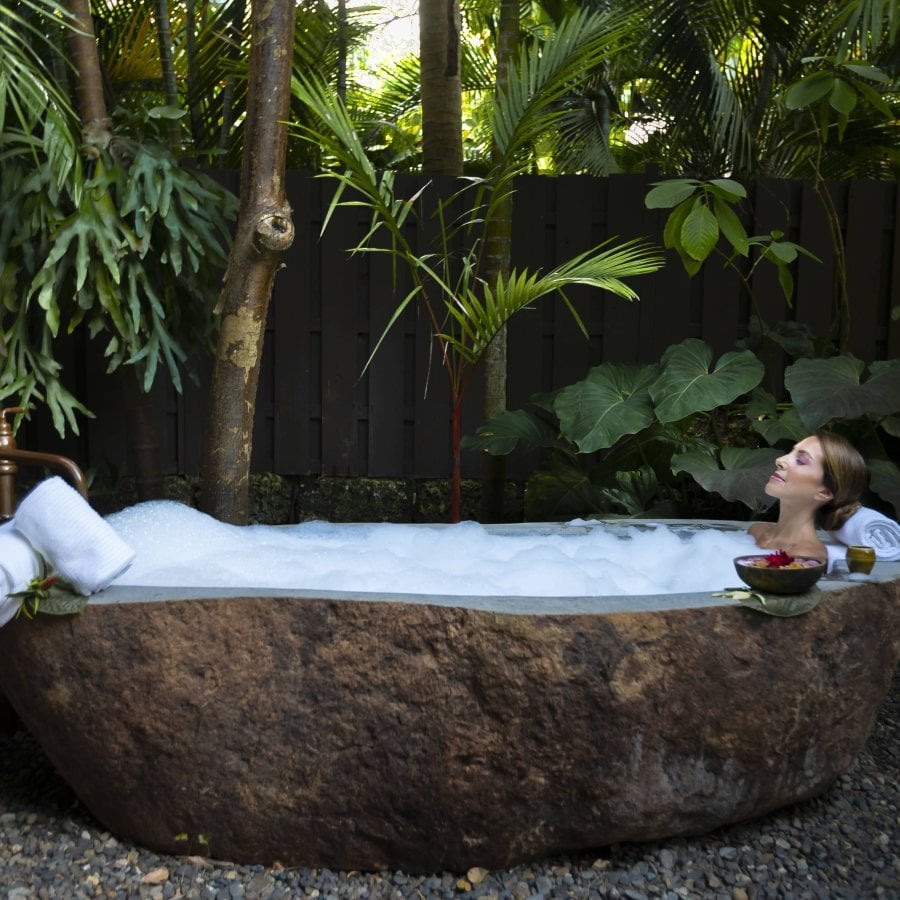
{"x": 264, "y": 232}
{"x": 167, "y": 65}
{"x": 498, "y": 241}
{"x": 142, "y": 436}
{"x": 343, "y": 26}
{"x": 86, "y": 62}
{"x": 441, "y": 86}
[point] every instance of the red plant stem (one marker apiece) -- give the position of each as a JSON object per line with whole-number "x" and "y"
{"x": 456, "y": 477}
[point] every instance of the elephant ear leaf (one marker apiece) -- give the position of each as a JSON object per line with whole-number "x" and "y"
{"x": 885, "y": 481}
{"x": 743, "y": 478}
{"x": 502, "y": 433}
{"x": 611, "y": 402}
{"x": 772, "y": 424}
{"x": 687, "y": 385}
{"x": 825, "y": 389}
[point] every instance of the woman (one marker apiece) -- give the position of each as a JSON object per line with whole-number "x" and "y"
{"x": 817, "y": 485}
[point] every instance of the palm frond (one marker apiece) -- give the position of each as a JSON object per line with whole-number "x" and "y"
{"x": 544, "y": 73}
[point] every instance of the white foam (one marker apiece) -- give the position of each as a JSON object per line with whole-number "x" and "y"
{"x": 177, "y": 546}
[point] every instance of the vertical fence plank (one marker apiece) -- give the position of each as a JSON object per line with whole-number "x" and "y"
{"x": 891, "y": 349}
{"x": 534, "y": 225}
{"x": 867, "y": 264}
{"x": 571, "y": 352}
{"x": 627, "y": 219}
{"x": 666, "y": 311}
{"x": 339, "y": 346}
{"x": 390, "y": 378}
{"x": 813, "y": 304}
{"x": 294, "y": 313}
{"x": 773, "y": 208}
{"x": 431, "y": 400}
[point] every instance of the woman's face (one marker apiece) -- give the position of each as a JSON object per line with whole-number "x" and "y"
{"x": 799, "y": 475}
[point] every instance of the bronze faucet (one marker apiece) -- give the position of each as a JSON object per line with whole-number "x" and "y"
{"x": 8, "y": 468}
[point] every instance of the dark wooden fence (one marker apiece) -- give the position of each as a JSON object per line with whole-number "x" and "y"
{"x": 316, "y": 415}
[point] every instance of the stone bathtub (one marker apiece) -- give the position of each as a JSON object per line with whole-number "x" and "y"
{"x": 357, "y": 731}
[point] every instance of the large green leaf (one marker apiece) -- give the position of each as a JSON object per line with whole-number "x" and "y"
{"x": 774, "y": 424}
{"x": 699, "y": 232}
{"x": 502, "y": 433}
{"x": 635, "y": 490}
{"x": 561, "y": 488}
{"x": 666, "y": 194}
{"x": 808, "y": 90}
{"x": 891, "y": 424}
{"x": 782, "y": 605}
{"x": 686, "y": 385}
{"x": 743, "y": 479}
{"x": 611, "y": 402}
{"x": 826, "y": 389}
{"x": 885, "y": 481}
{"x": 731, "y": 226}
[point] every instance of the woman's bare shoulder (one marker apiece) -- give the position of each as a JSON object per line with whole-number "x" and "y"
{"x": 760, "y": 532}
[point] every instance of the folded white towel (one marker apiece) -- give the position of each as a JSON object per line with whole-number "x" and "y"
{"x": 870, "y": 528}
{"x": 79, "y": 545}
{"x": 19, "y": 564}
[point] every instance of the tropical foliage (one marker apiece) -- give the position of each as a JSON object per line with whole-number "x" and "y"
{"x": 97, "y": 230}
{"x": 126, "y": 240}
{"x": 632, "y": 439}
{"x": 709, "y": 89}
{"x": 703, "y": 212}
{"x": 465, "y": 309}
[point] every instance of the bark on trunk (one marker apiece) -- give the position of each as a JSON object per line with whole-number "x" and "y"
{"x": 86, "y": 62}
{"x": 142, "y": 433}
{"x": 441, "y": 86}
{"x": 264, "y": 232}
{"x": 167, "y": 65}
{"x": 498, "y": 240}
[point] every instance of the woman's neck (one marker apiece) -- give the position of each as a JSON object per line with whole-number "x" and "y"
{"x": 794, "y": 532}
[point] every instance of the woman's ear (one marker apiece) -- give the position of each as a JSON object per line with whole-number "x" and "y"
{"x": 823, "y": 495}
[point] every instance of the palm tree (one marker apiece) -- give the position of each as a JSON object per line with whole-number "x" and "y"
{"x": 498, "y": 253}
{"x": 707, "y": 84}
{"x": 467, "y": 310}
{"x": 441, "y": 86}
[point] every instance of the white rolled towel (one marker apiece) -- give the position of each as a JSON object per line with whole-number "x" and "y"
{"x": 870, "y": 528}
{"x": 79, "y": 545}
{"x": 19, "y": 564}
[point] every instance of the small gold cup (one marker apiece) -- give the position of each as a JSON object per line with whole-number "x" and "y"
{"x": 860, "y": 559}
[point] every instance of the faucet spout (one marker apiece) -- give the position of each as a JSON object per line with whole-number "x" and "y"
{"x": 10, "y": 454}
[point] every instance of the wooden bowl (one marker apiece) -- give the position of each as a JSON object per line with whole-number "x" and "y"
{"x": 754, "y": 572}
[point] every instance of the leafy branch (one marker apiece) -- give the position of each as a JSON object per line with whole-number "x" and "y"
{"x": 51, "y": 596}
{"x": 703, "y": 212}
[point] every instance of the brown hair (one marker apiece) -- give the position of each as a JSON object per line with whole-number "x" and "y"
{"x": 845, "y": 474}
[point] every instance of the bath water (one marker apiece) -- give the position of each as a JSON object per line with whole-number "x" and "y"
{"x": 180, "y": 547}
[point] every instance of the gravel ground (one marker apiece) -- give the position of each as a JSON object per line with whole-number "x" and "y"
{"x": 843, "y": 844}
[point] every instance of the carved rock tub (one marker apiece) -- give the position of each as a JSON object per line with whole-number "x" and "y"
{"x": 436, "y": 734}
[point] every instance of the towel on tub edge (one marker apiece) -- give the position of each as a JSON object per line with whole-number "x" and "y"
{"x": 869, "y": 528}
{"x": 79, "y": 545}
{"x": 19, "y": 564}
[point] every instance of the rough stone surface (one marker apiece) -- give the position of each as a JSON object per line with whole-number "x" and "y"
{"x": 281, "y": 499}
{"x": 379, "y": 735}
